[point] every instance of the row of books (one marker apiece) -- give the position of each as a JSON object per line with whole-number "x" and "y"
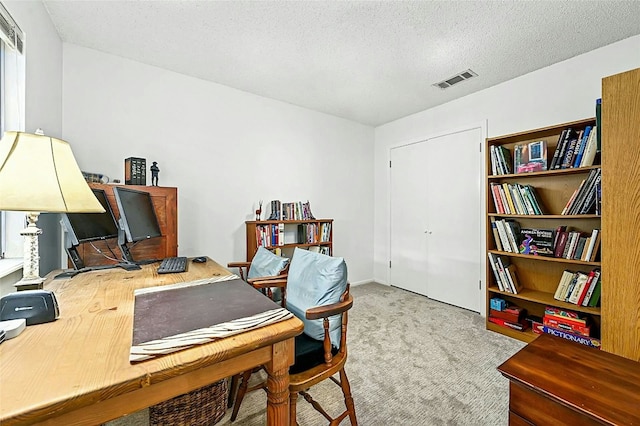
{"x": 575, "y": 148}
{"x": 562, "y": 242}
{"x": 579, "y": 288}
{"x": 514, "y": 198}
{"x": 505, "y": 273}
{"x": 527, "y": 157}
{"x": 576, "y": 245}
{"x": 310, "y": 233}
{"x": 290, "y": 211}
{"x": 585, "y": 198}
{"x": 270, "y": 235}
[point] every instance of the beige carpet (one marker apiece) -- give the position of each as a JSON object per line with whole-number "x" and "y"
{"x": 412, "y": 361}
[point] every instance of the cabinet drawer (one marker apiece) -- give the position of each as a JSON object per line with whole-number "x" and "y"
{"x": 540, "y": 410}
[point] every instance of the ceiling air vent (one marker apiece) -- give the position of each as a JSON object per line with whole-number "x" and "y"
{"x": 464, "y": 75}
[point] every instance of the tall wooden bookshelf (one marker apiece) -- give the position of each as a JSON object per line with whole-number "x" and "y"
{"x": 619, "y": 314}
{"x": 283, "y": 236}
{"x": 539, "y": 275}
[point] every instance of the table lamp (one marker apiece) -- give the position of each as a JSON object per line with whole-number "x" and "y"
{"x": 40, "y": 174}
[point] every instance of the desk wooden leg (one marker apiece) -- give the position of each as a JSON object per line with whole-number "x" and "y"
{"x": 278, "y": 383}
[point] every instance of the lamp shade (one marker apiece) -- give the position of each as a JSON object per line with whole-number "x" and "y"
{"x": 40, "y": 174}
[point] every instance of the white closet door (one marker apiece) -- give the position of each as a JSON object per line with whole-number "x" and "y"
{"x": 435, "y": 218}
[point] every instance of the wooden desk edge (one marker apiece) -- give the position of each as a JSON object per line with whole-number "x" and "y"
{"x": 173, "y": 382}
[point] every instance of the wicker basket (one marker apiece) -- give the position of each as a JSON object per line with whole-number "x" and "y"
{"x": 204, "y": 406}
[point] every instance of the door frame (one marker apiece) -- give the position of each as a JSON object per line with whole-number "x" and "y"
{"x": 482, "y": 188}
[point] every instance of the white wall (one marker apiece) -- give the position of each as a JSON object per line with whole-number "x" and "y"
{"x": 223, "y": 149}
{"x": 562, "y": 92}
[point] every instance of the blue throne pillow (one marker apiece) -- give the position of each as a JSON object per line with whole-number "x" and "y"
{"x": 266, "y": 264}
{"x": 316, "y": 279}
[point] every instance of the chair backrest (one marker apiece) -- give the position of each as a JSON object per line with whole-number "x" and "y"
{"x": 316, "y": 279}
{"x": 266, "y": 264}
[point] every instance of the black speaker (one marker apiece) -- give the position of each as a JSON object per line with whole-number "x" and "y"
{"x": 35, "y": 306}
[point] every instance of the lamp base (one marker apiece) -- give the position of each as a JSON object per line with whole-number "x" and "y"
{"x": 29, "y": 284}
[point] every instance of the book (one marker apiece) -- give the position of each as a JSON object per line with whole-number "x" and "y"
{"x": 494, "y": 267}
{"x": 554, "y": 310}
{"x": 568, "y": 135}
{"x": 584, "y": 340}
{"x": 594, "y": 300}
{"x": 592, "y": 285}
{"x": 567, "y": 160}
{"x": 581, "y": 280}
{"x": 530, "y": 157}
{"x": 577, "y": 254}
{"x": 521, "y": 326}
{"x": 561, "y": 244}
{"x": 504, "y": 239}
{"x": 514, "y": 283}
{"x": 581, "y": 147}
{"x": 556, "y": 152}
{"x": 515, "y": 314}
{"x": 560, "y": 324}
{"x": 537, "y": 242}
{"x": 535, "y": 199}
{"x": 594, "y": 246}
{"x": 585, "y": 289}
{"x": 513, "y": 233}
{"x": 496, "y": 235}
{"x": 562, "y": 285}
{"x": 589, "y": 155}
{"x": 585, "y": 190}
{"x": 589, "y": 203}
{"x": 501, "y": 263}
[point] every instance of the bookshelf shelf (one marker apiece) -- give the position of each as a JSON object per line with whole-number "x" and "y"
{"x": 542, "y": 297}
{"x": 283, "y": 236}
{"x": 545, "y": 258}
{"x": 552, "y": 190}
{"x": 525, "y": 336}
{"x": 544, "y": 174}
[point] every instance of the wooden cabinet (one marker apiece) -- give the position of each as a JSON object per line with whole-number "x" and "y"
{"x": 555, "y": 382}
{"x": 282, "y": 236}
{"x": 165, "y": 202}
{"x": 621, "y": 214}
{"x": 539, "y": 275}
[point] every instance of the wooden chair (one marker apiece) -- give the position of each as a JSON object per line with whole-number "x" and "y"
{"x": 315, "y": 360}
{"x": 267, "y": 266}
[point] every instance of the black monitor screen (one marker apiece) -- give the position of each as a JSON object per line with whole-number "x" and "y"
{"x": 86, "y": 227}
{"x": 137, "y": 215}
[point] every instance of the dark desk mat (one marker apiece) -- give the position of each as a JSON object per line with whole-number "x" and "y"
{"x": 160, "y": 314}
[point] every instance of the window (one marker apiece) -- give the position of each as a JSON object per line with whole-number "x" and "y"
{"x": 12, "y": 116}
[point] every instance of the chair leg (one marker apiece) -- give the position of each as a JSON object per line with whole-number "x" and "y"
{"x": 233, "y": 389}
{"x": 242, "y": 390}
{"x": 348, "y": 399}
{"x": 293, "y": 398}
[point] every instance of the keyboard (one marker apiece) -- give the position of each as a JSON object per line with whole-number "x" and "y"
{"x": 172, "y": 265}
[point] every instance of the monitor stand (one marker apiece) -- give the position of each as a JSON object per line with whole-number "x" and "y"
{"x": 79, "y": 267}
{"x": 126, "y": 253}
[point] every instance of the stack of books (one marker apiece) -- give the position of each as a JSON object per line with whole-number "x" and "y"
{"x": 511, "y": 317}
{"x": 569, "y": 325}
{"x": 579, "y": 288}
{"x": 575, "y": 148}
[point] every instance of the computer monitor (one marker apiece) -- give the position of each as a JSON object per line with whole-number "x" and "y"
{"x": 138, "y": 219}
{"x": 86, "y": 227}
{"x": 89, "y": 227}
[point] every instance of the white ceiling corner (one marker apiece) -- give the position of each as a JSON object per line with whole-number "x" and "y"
{"x": 367, "y": 61}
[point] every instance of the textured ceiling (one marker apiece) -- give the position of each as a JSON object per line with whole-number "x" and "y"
{"x": 367, "y": 61}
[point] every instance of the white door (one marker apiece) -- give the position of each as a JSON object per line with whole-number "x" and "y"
{"x": 435, "y": 218}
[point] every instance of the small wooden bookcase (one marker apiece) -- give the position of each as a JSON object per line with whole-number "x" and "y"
{"x": 282, "y": 236}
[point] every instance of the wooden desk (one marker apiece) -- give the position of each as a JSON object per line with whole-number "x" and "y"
{"x": 76, "y": 370}
{"x": 555, "y": 381}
